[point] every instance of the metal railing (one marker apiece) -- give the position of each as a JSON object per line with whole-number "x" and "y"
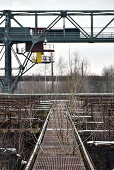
{"x": 83, "y": 150}
{"x": 108, "y": 33}
{"x": 37, "y": 146}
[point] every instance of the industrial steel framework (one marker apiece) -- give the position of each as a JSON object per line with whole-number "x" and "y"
{"x": 11, "y": 35}
{"x": 73, "y": 121}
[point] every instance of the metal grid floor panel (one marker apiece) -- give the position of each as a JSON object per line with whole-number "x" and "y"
{"x": 59, "y": 149}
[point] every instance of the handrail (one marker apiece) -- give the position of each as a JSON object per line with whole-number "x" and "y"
{"x": 58, "y": 94}
{"x": 37, "y": 146}
{"x": 91, "y": 167}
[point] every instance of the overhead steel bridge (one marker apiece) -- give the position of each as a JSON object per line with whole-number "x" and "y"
{"x": 12, "y": 32}
{"x": 76, "y": 33}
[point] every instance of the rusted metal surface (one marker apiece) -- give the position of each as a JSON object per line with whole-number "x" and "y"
{"x": 22, "y": 113}
{"x": 59, "y": 149}
{"x": 21, "y": 121}
{"x": 94, "y": 114}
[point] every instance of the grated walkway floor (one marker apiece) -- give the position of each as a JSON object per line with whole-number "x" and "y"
{"x": 59, "y": 149}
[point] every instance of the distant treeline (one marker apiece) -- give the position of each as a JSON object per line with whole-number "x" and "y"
{"x": 65, "y": 84}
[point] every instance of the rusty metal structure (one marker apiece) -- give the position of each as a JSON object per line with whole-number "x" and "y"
{"x": 59, "y": 148}
{"x": 73, "y": 123}
{"x": 90, "y": 118}
{"x": 17, "y": 111}
{"x": 96, "y": 112}
{"x": 21, "y": 120}
{"x": 21, "y": 112}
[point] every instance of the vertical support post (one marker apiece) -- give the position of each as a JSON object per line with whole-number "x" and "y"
{"x": 36, "y": 24}
{"x": 109, "y": 124}
{"x": 45, "y": 79}
{"x": 52, "y": 72}
{"x": 7, "y": 43}
{"x": 7, "y": 61}
{"x": 63, "y": 15}
{"x": 91, "y": 25}
{"x": 64, "y": 26}
{"x": 107, "y": 82}
{"x": 82, "y": 69}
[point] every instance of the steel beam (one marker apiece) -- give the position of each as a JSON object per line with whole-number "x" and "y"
{"x": 8, "y": 67}
{"x": 12, "y": 35}
{"x": 91, "y": 25}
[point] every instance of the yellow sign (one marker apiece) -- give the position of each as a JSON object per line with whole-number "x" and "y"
{"x": 37, "y": 57}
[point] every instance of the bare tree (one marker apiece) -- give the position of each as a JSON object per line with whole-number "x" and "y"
{"x": 61, "y": 66}
{"x": 108, "y": 73}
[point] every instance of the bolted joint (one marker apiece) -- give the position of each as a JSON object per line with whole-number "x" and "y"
{"x": 7, "y": 12}
{"x": 35, "y": 39}
{"x": 21, "y": 67}
{"x": 63, "y": 14}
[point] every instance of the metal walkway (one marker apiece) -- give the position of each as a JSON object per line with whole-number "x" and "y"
{"x": 59, "y": 149}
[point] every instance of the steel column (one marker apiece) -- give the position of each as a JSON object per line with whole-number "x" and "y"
{"x": 10, "y": 35}
{"x": 91, "y": 25}
{"x": 8, "y": 70}
{"x": 36, "y": 24}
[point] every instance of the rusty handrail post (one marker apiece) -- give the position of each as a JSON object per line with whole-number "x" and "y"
{"x": 91, "y": 167}
{"x": 37, "y": 146}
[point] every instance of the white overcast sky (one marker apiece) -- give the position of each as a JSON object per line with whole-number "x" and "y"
{"x": 56, "y": 4}
{"x": 97, "y": 55}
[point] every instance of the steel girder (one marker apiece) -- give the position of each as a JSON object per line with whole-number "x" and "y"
{"x": 12, "y": 35}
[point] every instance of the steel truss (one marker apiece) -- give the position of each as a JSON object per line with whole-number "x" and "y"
{"x": 9, "y": 36}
